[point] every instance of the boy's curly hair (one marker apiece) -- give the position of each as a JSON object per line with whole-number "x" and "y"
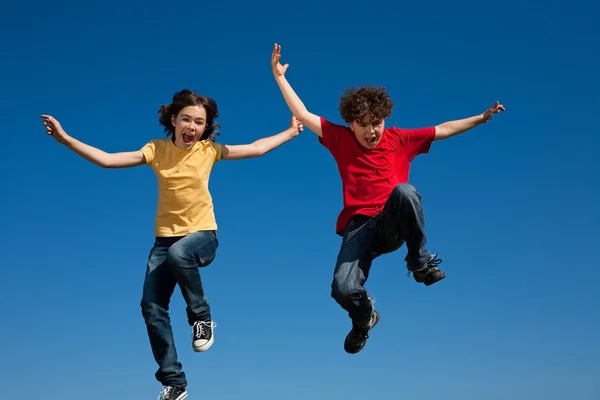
{"x": 357, "y": 103}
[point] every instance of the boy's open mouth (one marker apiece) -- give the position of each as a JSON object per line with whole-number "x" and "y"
{"x": 187, "y": 139}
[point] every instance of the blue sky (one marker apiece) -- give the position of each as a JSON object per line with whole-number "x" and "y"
{"x": 512, "y": 207}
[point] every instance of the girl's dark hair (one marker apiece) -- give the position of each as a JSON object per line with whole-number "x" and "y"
{"x": 186, "y": 98}
{"x": 357, "y": 103}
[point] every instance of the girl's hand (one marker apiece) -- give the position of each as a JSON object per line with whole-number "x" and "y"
{"x": 54, "y": 129}
{"x": 296, "y": 125}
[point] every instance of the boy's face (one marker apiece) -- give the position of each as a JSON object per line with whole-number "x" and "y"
{"x": 189, "y": 126}
{"x": 368, "y": 132}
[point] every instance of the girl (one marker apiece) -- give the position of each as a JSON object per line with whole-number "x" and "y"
{"x": 185, "y": 226}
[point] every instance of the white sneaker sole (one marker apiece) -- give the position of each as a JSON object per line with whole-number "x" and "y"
{"x": 181, "y": 396}
{"x": 205, "y": 346}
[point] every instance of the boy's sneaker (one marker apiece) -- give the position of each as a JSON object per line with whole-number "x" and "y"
{"x": 430, "y": 274}
{"x": 203, "y": 335}
{"x": 357, "y": 337}
{"x": 172, "y": 393}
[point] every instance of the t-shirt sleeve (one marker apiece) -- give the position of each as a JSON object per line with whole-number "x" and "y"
{"x": 218, "y": 151}
{"x": 332, "y": 136}
{"x": 149, "y": 150}
{"x": 416, "y": 141}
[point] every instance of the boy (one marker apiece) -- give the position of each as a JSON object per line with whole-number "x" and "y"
{"x": 381, "y": 210}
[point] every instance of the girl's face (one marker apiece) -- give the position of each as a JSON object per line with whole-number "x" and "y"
{"x": 189, "y": 126}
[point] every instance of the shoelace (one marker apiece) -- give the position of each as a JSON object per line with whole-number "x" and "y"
{"x": 363, "y": 331}
{"x": 166, "y": 391}
{"x": 199, "y": 327}
{"x": 434, "y": 261}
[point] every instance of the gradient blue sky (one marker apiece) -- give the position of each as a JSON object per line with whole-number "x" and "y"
{"x": 512, "y": 207}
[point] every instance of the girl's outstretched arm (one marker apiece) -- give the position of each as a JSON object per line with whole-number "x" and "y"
{"x": 262, "y": 146}
{"x": 92, "y": 154}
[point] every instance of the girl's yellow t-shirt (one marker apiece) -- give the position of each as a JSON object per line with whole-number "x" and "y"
{"x": 184, "y": 201}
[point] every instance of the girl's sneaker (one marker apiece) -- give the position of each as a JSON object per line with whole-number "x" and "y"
{"x": 203, "y": 335}
{"x": 172, "y": 393}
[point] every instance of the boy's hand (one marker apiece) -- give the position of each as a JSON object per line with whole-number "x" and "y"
{"x": 495, "y": 109}
{"x": 296, "y": 125}
{"x": 54, "y": 129}
{"x": 278, "y": 69}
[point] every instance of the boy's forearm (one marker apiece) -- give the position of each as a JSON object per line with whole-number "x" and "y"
{"x": 297, "y": 107}
{"x": 452, "y": 128}
{"x": 294, "y": 103}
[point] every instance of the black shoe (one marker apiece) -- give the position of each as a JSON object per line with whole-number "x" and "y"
{"x": 172, "y": 393}
{"x": 203, "y": 335}
{"x": 357, "y": 337}
{"x": 430, "y": 274}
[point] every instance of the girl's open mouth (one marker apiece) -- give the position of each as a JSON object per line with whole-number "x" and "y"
{"x": 187, "y": 139}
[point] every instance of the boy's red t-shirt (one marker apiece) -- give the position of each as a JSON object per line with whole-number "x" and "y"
{"x": 369, "y": 176}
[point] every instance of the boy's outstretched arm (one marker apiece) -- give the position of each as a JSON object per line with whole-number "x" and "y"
{"x": 452, "y": 128}
{"x": 261, "y": 146}
{"x": 310, "y": 120}
{"x": 92, "y": 154}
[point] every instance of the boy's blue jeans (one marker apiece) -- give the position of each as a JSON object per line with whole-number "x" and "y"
{"x": 175, "y": 260}
{"x": 365, "y": 239}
